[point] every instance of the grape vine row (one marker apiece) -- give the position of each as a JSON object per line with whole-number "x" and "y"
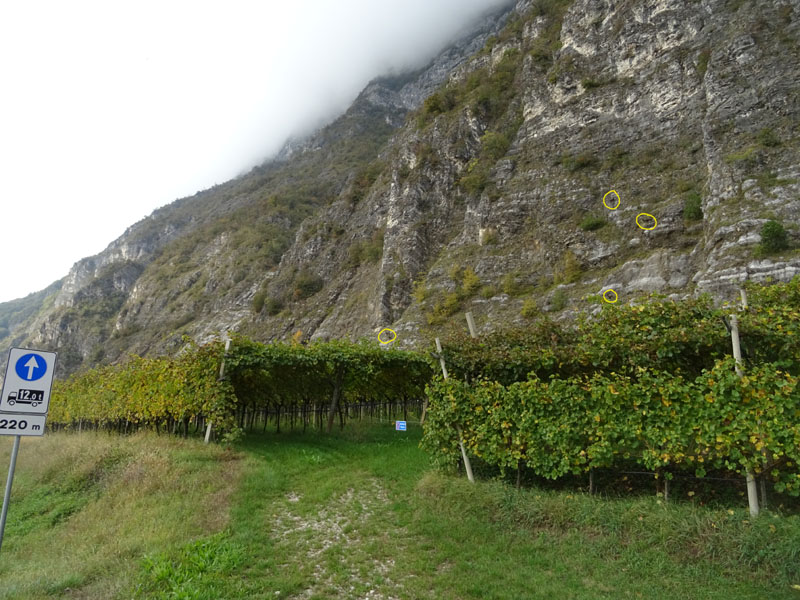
{"x": 279, "y": 379}
{"x": 650, "y": 383}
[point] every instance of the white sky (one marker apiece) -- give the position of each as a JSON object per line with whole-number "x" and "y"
{"x": 110, "y": 109}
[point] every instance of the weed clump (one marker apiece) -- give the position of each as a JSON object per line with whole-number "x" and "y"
{"x": 702, "y": 62}
{"x": 569, "y": 270}
{"x": 592, "y": 223}
{"x": 692, "y": 207}
{"x": 530, "y": 310}
{"x": 767, "y": 138}
{"x": 773, "y": 238}
{"x": 307, "y": 284}
{"x": 558, "y": 301}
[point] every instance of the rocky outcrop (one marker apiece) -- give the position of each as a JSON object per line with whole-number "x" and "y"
{"x": 405, "y": 212}
{"x": 661, "y": 101}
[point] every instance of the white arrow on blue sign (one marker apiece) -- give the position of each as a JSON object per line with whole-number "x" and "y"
{"x": 30, "y": 368}
{"x": 27, "y": 384}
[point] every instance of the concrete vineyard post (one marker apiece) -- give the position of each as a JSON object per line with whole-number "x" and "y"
{"x": 752, "y": 494}
{"x": 737, "y": 350}
{"x": 221, "y": 377}
{"x": 763, "y": 478}
{"x": 467, "y": 464}
{"x": 471, "y": 324}
{"x": 473, "y": 332}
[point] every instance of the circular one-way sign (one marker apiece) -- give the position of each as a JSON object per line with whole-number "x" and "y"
{"x": 30, "y": 367}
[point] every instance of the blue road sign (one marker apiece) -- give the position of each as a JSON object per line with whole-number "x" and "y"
{"x": 30, "y": 367}
{"x": 27, "y": 383}
{"x": 400, "y": 425}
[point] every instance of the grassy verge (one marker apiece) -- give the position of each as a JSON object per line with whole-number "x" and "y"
{"x": 359, "y": 514}
{"x": 577, "y": 546}
{"x": 86, "y": 508}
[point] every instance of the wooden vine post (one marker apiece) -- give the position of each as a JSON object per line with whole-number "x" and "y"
{"x": 467, "y": 464}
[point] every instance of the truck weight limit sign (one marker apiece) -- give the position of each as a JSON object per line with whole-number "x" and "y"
{"x": 26, "y": 391}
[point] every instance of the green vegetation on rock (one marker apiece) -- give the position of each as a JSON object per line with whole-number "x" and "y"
{"x": 559, "y": 300}
{"x": 368, "y": 251}
{"x": 467, "y": 284}
{"x": 568, "y": 270}
{"x": 773, "y": 238}
{"x": 592, "y": 223}
{"x": 306, "y": 284}
{"x": 692, "y": 207}
{"x": 530, "y": 309}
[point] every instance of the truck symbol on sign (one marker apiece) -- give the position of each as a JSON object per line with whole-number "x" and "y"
{"x": 32, "y": 397}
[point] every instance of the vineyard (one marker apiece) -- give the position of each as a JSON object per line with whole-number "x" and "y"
{"x": 292, "y": 384}
{"x": 650, "y": 384}
{"x": 659, "y": 420}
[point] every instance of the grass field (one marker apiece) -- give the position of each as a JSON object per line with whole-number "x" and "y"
{"x": 358, "y": 514}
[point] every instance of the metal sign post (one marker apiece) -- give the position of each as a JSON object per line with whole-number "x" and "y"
{"x": 10, "y": 480}
{"x": 23, "y": 405}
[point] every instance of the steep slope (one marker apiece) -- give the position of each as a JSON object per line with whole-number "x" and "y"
{"x": 194, "y": 266}
{"x": 489, "y": 196}
{"x": 493, "y": 197}
{"x": 17, "y": 315}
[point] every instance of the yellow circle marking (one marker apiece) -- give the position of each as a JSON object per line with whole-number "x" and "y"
{"x": 655, "y": 223}
{"x": 616, "y": 296}
{"x": 619, "y": 200}
{"x": 388, "y": 341}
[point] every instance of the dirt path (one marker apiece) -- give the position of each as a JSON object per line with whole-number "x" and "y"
{"x": 345, "y": 545}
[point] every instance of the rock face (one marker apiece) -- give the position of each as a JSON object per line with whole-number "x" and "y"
{"x": 478, "y": 184}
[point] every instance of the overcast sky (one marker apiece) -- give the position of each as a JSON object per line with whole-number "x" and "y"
{"x": 109, "y": 110}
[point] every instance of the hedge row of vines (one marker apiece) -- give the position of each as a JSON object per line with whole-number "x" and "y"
{"x": 281, "y": 380}
{"x": 650, "y": 383}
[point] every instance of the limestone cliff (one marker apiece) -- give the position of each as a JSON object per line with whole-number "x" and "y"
{"x": 478, "y": 184}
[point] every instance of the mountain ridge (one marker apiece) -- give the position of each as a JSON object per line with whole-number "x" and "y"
{"x": 142, "y": 243}
{"x": 487, "y": 195}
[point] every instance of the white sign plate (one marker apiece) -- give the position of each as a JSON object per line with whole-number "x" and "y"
{"x": 29, "y": 378}
{"x": 11, "y": 424}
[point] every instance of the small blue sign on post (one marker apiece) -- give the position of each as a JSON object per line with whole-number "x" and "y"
{"x": 400, "y": 425}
